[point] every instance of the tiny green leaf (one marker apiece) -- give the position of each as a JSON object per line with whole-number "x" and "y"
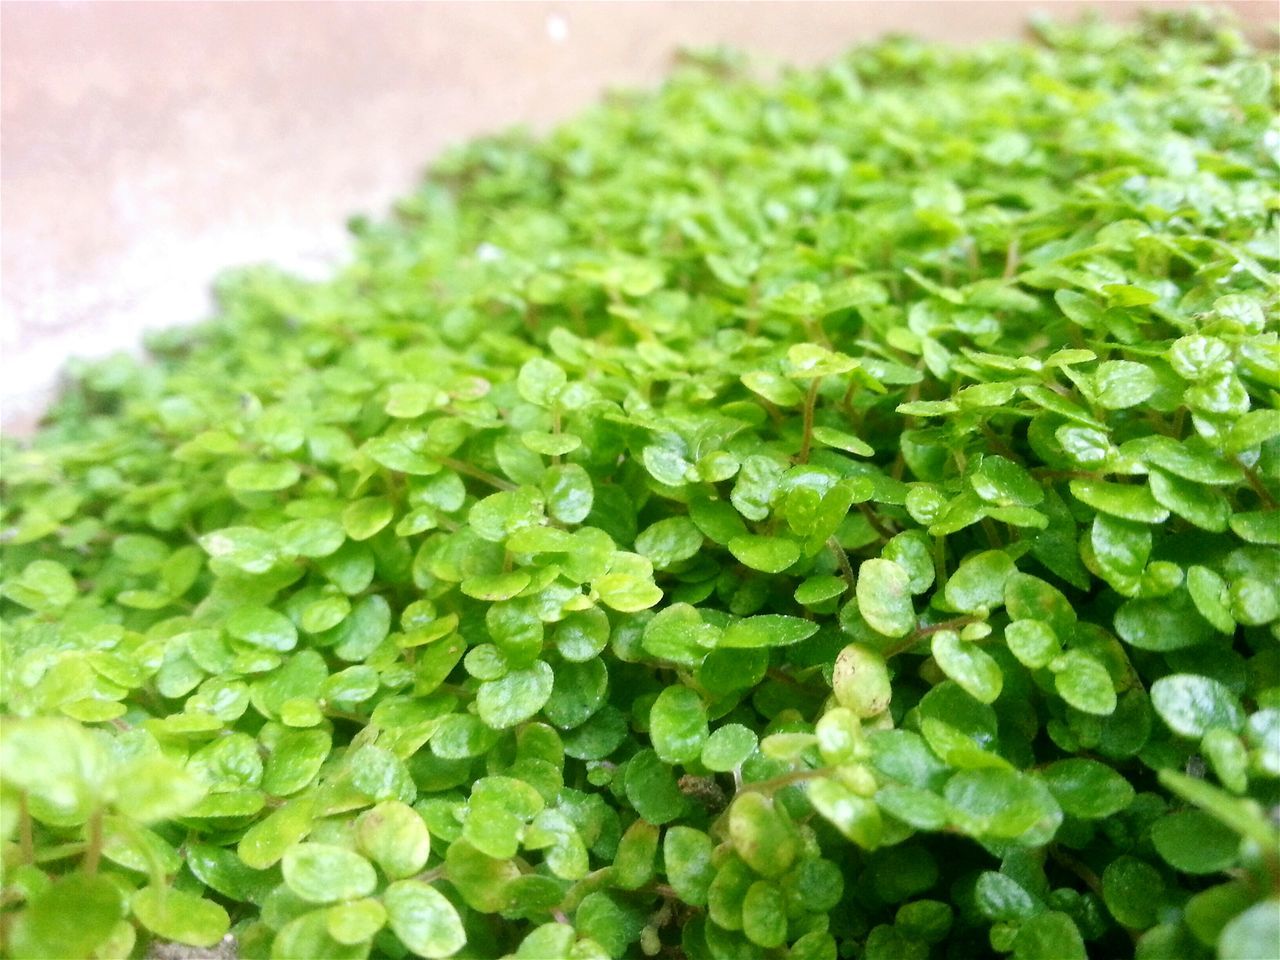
{"x": 770, "y": 630}
{"x": 1049, "y": 936}
{"x": 254, "y": 477}
{"x": 968, "y": 665}
{"x": 261, "y": 627}
{"x": 678, "y": 725}
{"x": 393, "y": 835}
{"x": 728, "y": 746}
{"x": 423, "y": 919}
{"x": 1194, "y": 842}
{"x": 978, "y": 583}
{"x": 1192, "y": 705}
{"x": 323, "y": 873}
{"x": 180, "y": 916}
{"x": 1088, "y": 789}
{"x": 884, "y": 597}
{"x": 515, "y": 697}
{"x": 767, "y": 554}
{"x": 1084, "y": 683}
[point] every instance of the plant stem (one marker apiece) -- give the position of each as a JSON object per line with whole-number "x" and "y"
{"x": 933, "y": 628}
{"x": 997, "y": 442}
{"x": 460, "y": 466}
{"x": 911, "y": 639}
{"x": 347, "y": 714}
{"x": 785, "y": 780}
{"x": 881, "y": 530}
{"x": 1011, "y": 259}
{"x": 780, "y": 675}
{"x": 1259, "y": 487}
{"x": 93, "y": 847}
{"x": 1091, "y": 879}
{"x": 772, "y": 410}
{"x": 810, "y": 400}
{"x": 1080, "y": 869}
{"x": 662, "y": 890}
{"x": 583, "y": 887}
{"x": 26, "y": 833}
{"x": 842, "y": 558}
{"x": 753, "y": 314}
{"x": 846, "y": 402}
{"x": 555, "y": 430}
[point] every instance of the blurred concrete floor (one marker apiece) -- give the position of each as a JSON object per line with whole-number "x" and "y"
{"x": 144, "y": 147}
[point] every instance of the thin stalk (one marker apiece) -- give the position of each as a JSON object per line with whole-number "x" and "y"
{"x": 1091, "y": 879}
{"x": 780, "y": 675}
{"x": 1080, "y": 869}
{"x": 1258, "y": 486}
{"x": 774, "y": 784}
{"x": 662, "y": 890}
{"x": 933, "y": 628}
{"x": 902, "y": 646}
{"x": 911, "y": 639}
{"x": 810, "y": 400}
{"x": 842, "y": 558}
{"x": 460, "y": 466}
{"x": 846, "y": 402}
{"x": 881, "y": 530}
{"x": 997, "y": 442}
{"x": 26, "y": 832}
{"x": 753, "y": 314}
{"x": 347, "y": 714}
{"x": 586, "y": 885}
{"x": 772, "y": 410}
{"x": 1011, "y": 259}
{"x": 93, "y": 846}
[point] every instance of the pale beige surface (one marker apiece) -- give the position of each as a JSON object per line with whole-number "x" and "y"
{"x": 144, "y": 147}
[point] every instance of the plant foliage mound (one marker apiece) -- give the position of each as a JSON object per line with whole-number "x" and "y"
{"x": 826, "y": 517}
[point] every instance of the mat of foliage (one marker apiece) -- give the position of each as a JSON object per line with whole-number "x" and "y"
{"x": 825, "y": 517}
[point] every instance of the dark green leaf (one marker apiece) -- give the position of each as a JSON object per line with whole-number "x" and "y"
{"x": 1088, "y": 789}
{"x": 678, "y": 725}
{"x": 1194, "y": 842}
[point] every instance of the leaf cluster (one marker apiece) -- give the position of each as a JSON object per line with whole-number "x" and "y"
{"x": 829, "y": 516}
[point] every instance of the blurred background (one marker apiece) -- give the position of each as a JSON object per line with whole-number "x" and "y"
{"x": 146, "y": 146}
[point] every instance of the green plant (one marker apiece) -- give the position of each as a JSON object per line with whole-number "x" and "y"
{"x": 832, "y": 516}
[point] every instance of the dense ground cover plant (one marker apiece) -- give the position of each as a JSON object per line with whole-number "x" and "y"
{"x": 826, "y": 517}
